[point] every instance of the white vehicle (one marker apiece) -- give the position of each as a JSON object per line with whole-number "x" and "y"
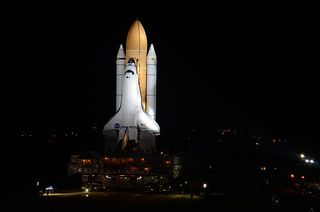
{"x": 131, "y": 121}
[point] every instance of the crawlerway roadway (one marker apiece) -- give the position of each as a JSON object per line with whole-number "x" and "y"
{"x": 123, "y": 201}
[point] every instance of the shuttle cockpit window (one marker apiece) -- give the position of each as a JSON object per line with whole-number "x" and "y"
{"x": 129, "y": 71}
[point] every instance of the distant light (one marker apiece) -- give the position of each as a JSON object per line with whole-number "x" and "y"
{"x": 204, "y": 185}
{"x": 168, "y": 162}
{"x": 87, "y": 190}
{"x": 161, "y": 153}
{"x": 302, "y": 156}
{"x": 186, "y": 182}
{"x": 257, "y": 144}
{"x": 307, "y": 161}
{"x": 311, "y": 161}
{"x": 142, "y": 159}
{"x": 87, "y": 195}
{"x": 49, "y": 189}
{"x": 38, "y": 183}
{"x": 302, "y": 177}
{"x": 263, "y": 168}
{"x": 292, "y": 175}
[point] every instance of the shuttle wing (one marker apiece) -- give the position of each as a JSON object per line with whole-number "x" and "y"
{"x": 146, "y": 123}
{"x": 114, "y": 123}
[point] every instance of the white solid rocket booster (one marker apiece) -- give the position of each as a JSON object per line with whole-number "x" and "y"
{"x": 151, "y": 82}
{"x": 121, "y": 65}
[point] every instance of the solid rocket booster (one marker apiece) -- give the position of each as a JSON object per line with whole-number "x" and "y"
{"x": 121, "y": 65}
{"x": 151, "y": 82}
{"x": 136, "y": 48}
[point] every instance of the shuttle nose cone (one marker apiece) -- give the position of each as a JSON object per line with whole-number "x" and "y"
{"x": 136, "y": 38}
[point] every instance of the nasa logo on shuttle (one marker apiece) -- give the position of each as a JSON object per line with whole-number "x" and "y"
{"x": 116, "y": 125}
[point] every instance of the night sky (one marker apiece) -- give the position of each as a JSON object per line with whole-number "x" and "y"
{"x": 246, "y": 66}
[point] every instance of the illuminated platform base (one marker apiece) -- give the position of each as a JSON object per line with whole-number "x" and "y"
{"x": 131, "y": 171}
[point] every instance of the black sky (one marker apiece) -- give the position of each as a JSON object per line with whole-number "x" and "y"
{"x": 248, "y": 66}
